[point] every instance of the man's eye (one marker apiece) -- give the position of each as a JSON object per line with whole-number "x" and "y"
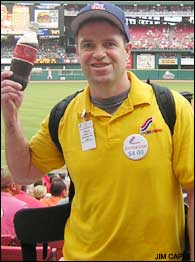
{"x": 87, "y": 45}
{"x": 109, "y": 44}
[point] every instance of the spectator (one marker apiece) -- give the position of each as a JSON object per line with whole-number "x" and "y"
{"x": 9, "y": 204}
{"x": 58, "y": 192}
{"x": 39, "y": 192}
{"x": 31, "y": 201}
{"x": 46, "y": 182}
{"x": 38, "y": 183}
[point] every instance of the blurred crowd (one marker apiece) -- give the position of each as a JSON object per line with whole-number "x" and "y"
{"x": 142, "y": 37}
{"x": 51, "y": 190}
{"x": 162, "y": 37}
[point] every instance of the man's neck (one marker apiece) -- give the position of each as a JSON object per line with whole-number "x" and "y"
{"x": 109, "y": 89}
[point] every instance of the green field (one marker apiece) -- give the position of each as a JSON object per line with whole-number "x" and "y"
{"x": 40, "y": 97}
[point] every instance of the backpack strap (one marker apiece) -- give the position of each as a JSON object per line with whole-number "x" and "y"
{"x": 55, "y": 115}
{"x": 54, "y": 119}
{"x": 166, "y": 104}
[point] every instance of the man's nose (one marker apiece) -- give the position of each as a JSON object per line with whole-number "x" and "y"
{"x": 99, "y": 53}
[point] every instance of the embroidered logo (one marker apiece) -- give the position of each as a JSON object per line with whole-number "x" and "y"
{"x": 146, "y": 125}
{"x": 98, "y": 6}
{"x": 144, "y": 129}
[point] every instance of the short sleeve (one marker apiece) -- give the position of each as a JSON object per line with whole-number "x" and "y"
{"x": 45, "y": 155}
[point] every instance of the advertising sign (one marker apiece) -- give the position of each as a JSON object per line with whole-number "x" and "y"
{"x": 46, "y": 18}
{"x": 167, "y": 61}
{"x": 16, "y": 21}
{"x": 145, "y": 61}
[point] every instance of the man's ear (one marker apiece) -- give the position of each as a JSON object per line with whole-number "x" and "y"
{"x": 13, "y": 187}
{"x": 128, "y": 48}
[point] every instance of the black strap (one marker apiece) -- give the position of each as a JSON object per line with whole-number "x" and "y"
{"x": 55, "y": 116}
{"x": 56, "y": 113}
{"x": 166, "y": 105}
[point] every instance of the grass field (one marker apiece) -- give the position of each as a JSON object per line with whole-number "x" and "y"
{"x": 40, "y": 97}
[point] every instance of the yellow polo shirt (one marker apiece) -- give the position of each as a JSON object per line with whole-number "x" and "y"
{"x": 128, "y": 202}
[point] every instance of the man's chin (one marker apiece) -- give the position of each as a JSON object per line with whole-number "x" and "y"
{"x": 102, "y": 79}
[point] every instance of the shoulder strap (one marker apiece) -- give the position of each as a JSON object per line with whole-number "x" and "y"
{"x": 56, "y": 114}
{"x": 166, "y": 104}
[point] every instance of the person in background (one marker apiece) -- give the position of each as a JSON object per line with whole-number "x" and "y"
{"x": 49, "y": 74}
{"x": 9, "y": 204}
{"x": 39, "y": 192}
{"x": 31, "y": 201}
{"x": 128, "y": 170}
{"x": 22, "y": 195}
{"x": 46, "y": 182}
{"x": 58, "y": 192}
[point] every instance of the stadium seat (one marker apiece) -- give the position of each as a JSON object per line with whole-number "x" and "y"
{"x": 14, "y": 253}
{"x": 6, "y": 240}
{"x": 57, "y": 246}
{"x": 40, "y": 226}
{"x": 11, "y": 253}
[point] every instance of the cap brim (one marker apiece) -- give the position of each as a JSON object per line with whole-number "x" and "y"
{"x": 93, "y": 14}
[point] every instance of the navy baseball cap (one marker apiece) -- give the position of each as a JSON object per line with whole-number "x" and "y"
{"x": 101, "y": 10}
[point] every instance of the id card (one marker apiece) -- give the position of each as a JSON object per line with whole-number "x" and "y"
{"x": 87, "y": 136}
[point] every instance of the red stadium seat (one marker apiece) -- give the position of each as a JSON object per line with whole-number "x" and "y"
{"x": 11, "y": 253}
{"x": 57, "y": 246}
{"x": 6, "y": 240}
{"x": 14, "y": 253}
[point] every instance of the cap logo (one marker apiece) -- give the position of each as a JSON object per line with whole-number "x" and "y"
{"x": 98, "y": 6}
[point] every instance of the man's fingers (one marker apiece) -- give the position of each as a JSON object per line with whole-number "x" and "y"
{"x": 6, "y": 74}
{"x": 9, "y": 89}
{"x": 5, "y": 83}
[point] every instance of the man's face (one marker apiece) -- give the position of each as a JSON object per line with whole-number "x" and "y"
{"x": 102, "y": 52}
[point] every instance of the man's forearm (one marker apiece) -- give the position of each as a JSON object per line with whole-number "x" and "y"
{"x": 18, "y": 154}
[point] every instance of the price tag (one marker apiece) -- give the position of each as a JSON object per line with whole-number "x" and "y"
{"x": 135, "y": 147}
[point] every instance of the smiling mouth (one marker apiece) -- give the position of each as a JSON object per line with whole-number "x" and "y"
{"x": 100, "y": 65}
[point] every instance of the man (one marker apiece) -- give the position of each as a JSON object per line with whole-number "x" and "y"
{"x": 58, "y": 192}
{"x": 128, "y": 202}
{"x": 9, "y": 204}
{"x": 49, "y": 75}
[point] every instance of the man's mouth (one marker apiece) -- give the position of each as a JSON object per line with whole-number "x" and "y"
{"x": 100, "y": 65}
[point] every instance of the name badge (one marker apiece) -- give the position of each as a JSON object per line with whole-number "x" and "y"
{"x": 87, "y": 136}
{"x": 135, "y": 147}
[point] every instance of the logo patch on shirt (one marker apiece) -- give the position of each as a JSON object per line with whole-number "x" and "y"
{"x": 146, "y": 124}
{"x": 144, "y": 129}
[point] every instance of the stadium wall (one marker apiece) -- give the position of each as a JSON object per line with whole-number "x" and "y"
{"x": 77, "y": 74}
{"x": 74, "y": 72}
